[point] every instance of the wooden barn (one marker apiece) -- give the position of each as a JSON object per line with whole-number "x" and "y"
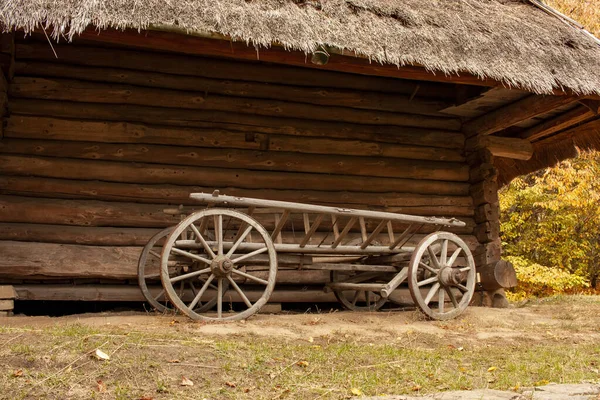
{"x": 113, "y": 112}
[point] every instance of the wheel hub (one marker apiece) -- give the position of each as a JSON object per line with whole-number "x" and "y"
{"x": 449, "y": 276}
{"x": 221, "y": 266}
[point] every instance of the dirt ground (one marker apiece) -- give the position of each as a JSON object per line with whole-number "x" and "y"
{"x": 311, "y": 355}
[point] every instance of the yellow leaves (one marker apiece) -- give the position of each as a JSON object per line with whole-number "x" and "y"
{"x": 356, "y": 392}
{"x": 491, "y": 369}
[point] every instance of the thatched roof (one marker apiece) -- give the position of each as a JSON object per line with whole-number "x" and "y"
{"x": 510, "y": 41}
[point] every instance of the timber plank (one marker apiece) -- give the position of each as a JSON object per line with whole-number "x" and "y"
{"x": 124, "y": 236}
{"x": 53, "y": 167}
{"x": 20, "y": 209}
{"x": 245, "y": 159}
{"x": 237, "y": 122}
{"x": 32, "y": 127}
{"x": 169, "y": 194}
{"x": 89, "y": 92}
{"x": 26, "y": 260}
{"x": 178, "y": 64}
{"x": 367, "y": 100}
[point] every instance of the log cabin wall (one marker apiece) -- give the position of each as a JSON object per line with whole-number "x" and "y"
{"x": 100, "y": 140}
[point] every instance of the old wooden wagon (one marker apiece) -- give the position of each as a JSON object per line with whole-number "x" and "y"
{"x": 113, "y": 112}
{"x": 227, "y": 246}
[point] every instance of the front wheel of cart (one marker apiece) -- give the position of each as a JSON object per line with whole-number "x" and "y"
{"x": 229, "y": 256}
{"x": 435, "y": 276}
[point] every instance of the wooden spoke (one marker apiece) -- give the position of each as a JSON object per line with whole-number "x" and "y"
{"x": 239, "y": 241}
{"x": 250, "y": 255}
{"x": 161, "y": 293}
{"x": 220, "y": 298}
{"x": 464, "y": 269}
{"x": 219, "y": 233}
{"x": 428, "y": 281}
{"x": 237, "y": 289}
{"x": 441, "y": 301}
{"x": 428, "y": 268}
{"x": 452, "y": 297}
{"x": 151, "y": 276}
{"x": 454, "y": 256}
{"x": 248, "y": 276}
{"x": 198, "y": 296}
{"x": 189, "y": 275}
{"x": 190, "y": 255}
{"x": 462, "y": 287}
{"x": 433, "y": 257}
{"x": 355, "y": 298}
{"x": 200, "y": 238}
{"x": 444, "y": 254}
{"x": 431, "y": 293}
{"x": 155, "y": 254}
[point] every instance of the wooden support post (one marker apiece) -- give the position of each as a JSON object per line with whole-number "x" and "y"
{"x": 484, "y": 192}
{"x": 7, "y": 300}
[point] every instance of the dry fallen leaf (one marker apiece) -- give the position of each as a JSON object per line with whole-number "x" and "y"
{"x": 230, "y": 384}
{"x": 416, "y": 388}
{"x": 310, "y": 339}
{"x": 101, "y": 386}
{"x": 356, "y": 391}
{"x": 100, "y": 355}
{"x": 491, "y": 369}
{"x": 18, "y": 373}
{"x": 174, "y": 361}
{"x": 186, "y": 382}
{"x": 302, "y": 364}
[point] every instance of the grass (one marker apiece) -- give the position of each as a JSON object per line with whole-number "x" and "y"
{"x": 56, "y": 363}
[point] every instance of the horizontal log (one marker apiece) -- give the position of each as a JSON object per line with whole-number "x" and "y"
{"x": 110, "y": 171}
{"x": 35, "y": 260}
{"x": 28, "y": 127}
{"x": 169, "y": 194}
{"x": 324, "y": 96}
{"x": 245, "y": 159}
{"x": 200, "y": 102}
{"x": 488, "y": 253}
{"x": 193, "y": 45}
{"x": 96, "y": 213}
{"x": 177, "y": 64}
{"x": 54, "y": 292}
{"x": 514, "y": 148}
{"x": 497, "y": 275}
{"x": 107, "y": 292}
{"x": 83, "y": 235}
{"x": 123, "y": 236}
{"x": 236, "y": 122}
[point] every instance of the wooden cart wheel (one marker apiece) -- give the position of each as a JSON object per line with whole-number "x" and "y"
{"x": 241, "y": 245}
{"x": 358, "y": 300}
{"x": 433, "y": 273}
{"x": 149, "y": 271}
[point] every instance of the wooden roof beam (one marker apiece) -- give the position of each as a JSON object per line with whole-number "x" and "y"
{"x": 563, "y": 121}
{"x": 514, "y": 113}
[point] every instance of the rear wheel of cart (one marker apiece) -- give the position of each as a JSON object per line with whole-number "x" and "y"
{"x": 149, "y": 273}
{"x": 228, "y": 255}
{"x": 442, "y": 271}
{"x": 359, "y": 300}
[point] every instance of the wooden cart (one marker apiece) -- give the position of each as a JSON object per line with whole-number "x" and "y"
{"x": 230, "y": 255}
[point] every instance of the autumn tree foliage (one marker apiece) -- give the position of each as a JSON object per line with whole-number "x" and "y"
{"x": 551, "y": 225}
